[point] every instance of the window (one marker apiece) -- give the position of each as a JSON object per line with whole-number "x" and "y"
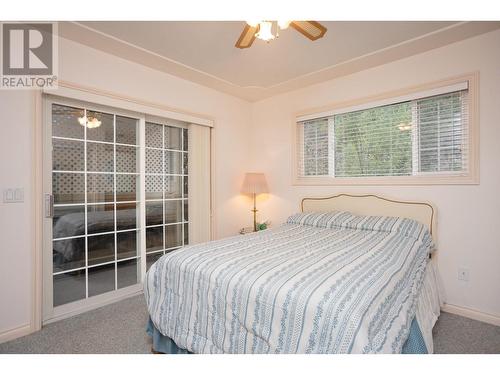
{"x": 414, "y": 138}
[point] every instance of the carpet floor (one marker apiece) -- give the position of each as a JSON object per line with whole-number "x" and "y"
{"x": 120, "y": 328}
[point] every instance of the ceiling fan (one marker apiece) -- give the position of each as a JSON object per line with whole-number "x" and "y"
{"x": 264, "y": 30}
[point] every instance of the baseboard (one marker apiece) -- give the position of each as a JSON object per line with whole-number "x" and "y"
{"x": 15, "y": 333}
{"x": 471, "y": 314}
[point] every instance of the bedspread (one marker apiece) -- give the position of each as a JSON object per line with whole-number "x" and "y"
{"x": 320, "y": 283}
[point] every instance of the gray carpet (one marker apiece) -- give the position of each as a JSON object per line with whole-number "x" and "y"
{"x": 120, "y": 328}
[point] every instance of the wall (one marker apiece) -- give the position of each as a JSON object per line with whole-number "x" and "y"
{"x": 257, "y": 136}
{"x": 474, "y": 207}
{"x": 89, "y": 67}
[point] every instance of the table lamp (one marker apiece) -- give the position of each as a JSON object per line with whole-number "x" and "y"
{"x": 254, "y": 183}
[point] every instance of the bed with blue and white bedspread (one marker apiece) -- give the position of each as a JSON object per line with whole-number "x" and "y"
{"x": 320, "y": 283}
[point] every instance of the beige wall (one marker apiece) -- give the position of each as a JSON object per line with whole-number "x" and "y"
{"x": 257, "y": 136}
{"x": 468, "y": 216}
{"x": 89, "y": 67}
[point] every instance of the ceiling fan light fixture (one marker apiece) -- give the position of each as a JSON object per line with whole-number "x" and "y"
{"x": 265, "y": 31}
{"x": 284, "y": 24}
{"x": 91, "y": 124}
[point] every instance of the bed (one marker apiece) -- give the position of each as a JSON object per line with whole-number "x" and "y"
{"x": 347, "y": 274}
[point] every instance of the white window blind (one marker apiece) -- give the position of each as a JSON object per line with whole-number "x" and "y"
{"x": 423, "y": 136}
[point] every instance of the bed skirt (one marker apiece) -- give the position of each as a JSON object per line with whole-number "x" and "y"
{"x": 163, "y": 344}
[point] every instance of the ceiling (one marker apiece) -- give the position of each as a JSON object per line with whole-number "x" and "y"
{"x": 204, "y": 52}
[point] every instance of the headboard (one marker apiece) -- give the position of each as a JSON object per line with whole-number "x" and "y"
{"x": 373, "y": 205}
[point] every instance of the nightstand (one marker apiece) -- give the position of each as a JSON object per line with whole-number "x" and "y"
{"x": 248, "y": 230}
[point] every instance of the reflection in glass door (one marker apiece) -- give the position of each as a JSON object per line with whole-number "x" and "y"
{"x": 166, "y": 175}
{"x": 96, "y": 194}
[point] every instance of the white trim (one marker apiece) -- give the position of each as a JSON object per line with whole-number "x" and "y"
{"x": 471, "y": 314}
{"x": 15, "y": 333}
{"x": 88, "y": 94}
{"x": 37, "y": 215}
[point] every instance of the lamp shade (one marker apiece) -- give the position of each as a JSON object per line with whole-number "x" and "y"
{"x": 254, "y": 183}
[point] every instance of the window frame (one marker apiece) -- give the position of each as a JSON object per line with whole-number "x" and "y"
{"x": 422, "y": 178}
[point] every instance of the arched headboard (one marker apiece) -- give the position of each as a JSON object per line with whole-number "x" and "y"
{"x": 369, "y": 204}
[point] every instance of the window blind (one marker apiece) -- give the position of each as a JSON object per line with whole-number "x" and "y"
{"x": 423, "y": 136}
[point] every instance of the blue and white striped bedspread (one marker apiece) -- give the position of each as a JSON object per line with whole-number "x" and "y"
{"x": 321, "y": 283}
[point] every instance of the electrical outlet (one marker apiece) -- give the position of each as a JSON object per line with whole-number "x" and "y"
{"x": 463, "y": 274}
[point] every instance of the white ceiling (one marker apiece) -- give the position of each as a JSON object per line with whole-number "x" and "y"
{"x": 204, "y": 52}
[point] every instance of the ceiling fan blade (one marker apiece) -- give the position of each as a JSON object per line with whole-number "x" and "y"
{"x": 310, "y": 29}
{"x": 247, "y": 37}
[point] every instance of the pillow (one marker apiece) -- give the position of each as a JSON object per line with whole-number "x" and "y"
{"x": 343, "y": 219}
{"x": 319, "y": 219}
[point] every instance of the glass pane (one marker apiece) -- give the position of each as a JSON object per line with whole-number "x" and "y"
{"x": 126, "y": 130}
{"x": 65, "y": 122}
{"x": 154, "y": 239}
{"x": 186, "y": 234}
{"x": 100, "y": 218}
{"x": 68, "y": 221}
{"x": 173, "y": 187}
{"x": 173, "y": 138}
{"x": 100, "y": 157}
{"x": 173, "y": 235}
{"x": 100, "y": 132}
{"x": 126, "y": 216}
{"x": 186, "y": 216}
{"x": 185, "y": 139}
{"x": 173, "y": 162}
{"x": 154, "y": 213}
{"x": 126, "y": 187}
{"x": 154, "y": 162}
{"x": 127, "y": 159}
{"x": 185, "y": 164}
{"x": 100, "y": 188}
{"x": 371, "y": 142}
{"x": 154, "y": 135}
{"x": 69, "y": 287}
{"x": 127, "y": 273}
{"x": 152, "y": 258}
{"x": 185, "y": 179}
{"x": 68, "y": 187}
{"x": 67, "y": 155}
{"x": 154, "y": 187}
{"x": 68, "y": 254}
{"x": 101, "y": 249}
{"x": 429, "y": 160}
{"x": 101, "y": 279}
{"x": 127, "y": 245}
{"x": 173, "y": 211}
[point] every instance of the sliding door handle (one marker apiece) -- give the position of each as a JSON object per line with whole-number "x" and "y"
{"x": 49, "y": 205}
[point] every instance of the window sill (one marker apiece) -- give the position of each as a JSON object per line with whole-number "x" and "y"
{"x": 388, "y": 180}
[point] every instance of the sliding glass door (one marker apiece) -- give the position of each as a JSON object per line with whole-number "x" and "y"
{"x": 116, "y": 200}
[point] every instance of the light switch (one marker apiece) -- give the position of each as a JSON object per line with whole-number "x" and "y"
{"x": 15, "y": 195}
{"x": 19, "y": 195}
